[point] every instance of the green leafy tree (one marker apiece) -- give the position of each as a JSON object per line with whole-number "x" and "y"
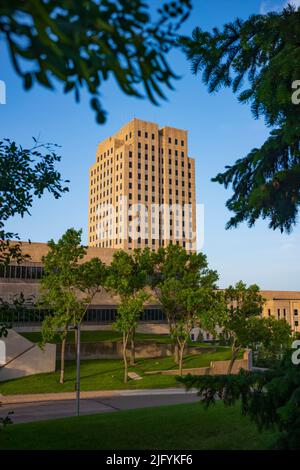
{"x": 68, "y": 286}
{"x": 275, "y": 339}
{"x": 128, "y": 316}
{"x": 90, "y": 280}
{"x": 58, "y": 288}
{"x": 83, "y": 44}
{"x": 269, "y": 398}
{"x": 24, "y": 175}
{"x": 201, "y": 306}
{"x": 241, "y": 322}
{"x": 183, "y": 285}
{"x": 128, "y": 275}
{"x": 260, "y": 60}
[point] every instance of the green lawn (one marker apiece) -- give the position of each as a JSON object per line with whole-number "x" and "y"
{"x": 93, "y": 336}
{"x": 179, "y": 427}
{"x": 107, "y": 374}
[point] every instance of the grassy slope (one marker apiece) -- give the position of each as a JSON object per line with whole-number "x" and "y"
{"x": 180, "y": 427}
{"x": 108, "y": 375}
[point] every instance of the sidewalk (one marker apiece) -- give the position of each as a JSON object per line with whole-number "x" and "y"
{"x": 40, "y": 397}
{"x": 40, "y": 407}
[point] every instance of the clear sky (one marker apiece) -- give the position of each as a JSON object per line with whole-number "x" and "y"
{"x": 220, "y": 131}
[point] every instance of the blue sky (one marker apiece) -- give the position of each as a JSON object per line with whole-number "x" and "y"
{"x": 220, "y": 131}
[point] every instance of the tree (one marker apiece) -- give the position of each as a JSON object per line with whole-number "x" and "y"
{"x": 58, "y": 288}
{"x": 260, "y": 59}
{"x": 68, "y": 288}
{"x": 24, "y": 174}
{"x": 241, "y": 322}
{"x": 275, "y": 339}
{"x": 128, "y": 276}
{"x": 83, "y": 44}
{"x": 201, "y": 306}
{"x": 182, "y": 284}
{"x": 269, "y": 398}
{"x": 129, "y": 313}
{"x": 90, "y": 279}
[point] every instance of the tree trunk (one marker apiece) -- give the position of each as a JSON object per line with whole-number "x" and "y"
{"x": 125, "y": 358}
{"x": 176, "y": 353}
{"x": 62, "y": 355}
{"x": 132, "y": 349}
{"x": 232, "y": 360}
{"x": 181, "y": 351}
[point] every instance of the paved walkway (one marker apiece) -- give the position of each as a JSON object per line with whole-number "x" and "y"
{"x": 39, "y": 407}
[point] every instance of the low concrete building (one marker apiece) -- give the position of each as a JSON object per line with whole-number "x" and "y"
{"x": 24, "y": 278}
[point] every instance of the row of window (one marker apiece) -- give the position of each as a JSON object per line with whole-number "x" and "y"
{"x": 139, "y": 165}
{"x": 94, "y": 315}
{"x": 153, "y": 177}
{"x": 283, "y": 315}
{"x": 160, "y": 200}
{"x": 21, "y": 272}
{"x": 106, "y": 153}
{"x": 146, "y": 135}
{"x": 283, "y": 311}
{"x": 160, "y": 158}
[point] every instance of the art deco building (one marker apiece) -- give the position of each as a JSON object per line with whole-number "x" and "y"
{"x": 142, "y": 189}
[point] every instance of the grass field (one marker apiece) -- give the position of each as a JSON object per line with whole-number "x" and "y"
{"x": 180, "y": 427}
{"x": 107, "y": 374}
{"x": 94, "y": 336}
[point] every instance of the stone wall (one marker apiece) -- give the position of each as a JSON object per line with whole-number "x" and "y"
{"x": 22, "y": 357}
{"x": 113, "y": 350}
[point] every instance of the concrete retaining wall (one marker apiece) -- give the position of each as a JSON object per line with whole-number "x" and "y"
{"x": 114, "y": 350}
{"x": 221, "y": 367}
{"x": 25, "y": 358}
{"x": 215, "y": 368}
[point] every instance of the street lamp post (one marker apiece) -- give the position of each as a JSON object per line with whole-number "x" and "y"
{"x": 78, "y": 371}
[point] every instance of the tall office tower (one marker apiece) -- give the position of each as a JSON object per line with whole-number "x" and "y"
{"x": 142, "y": 189}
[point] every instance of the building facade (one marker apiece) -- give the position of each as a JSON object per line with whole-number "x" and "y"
{"x": 142, "y": 189}
{"x": 283, "y": 305}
